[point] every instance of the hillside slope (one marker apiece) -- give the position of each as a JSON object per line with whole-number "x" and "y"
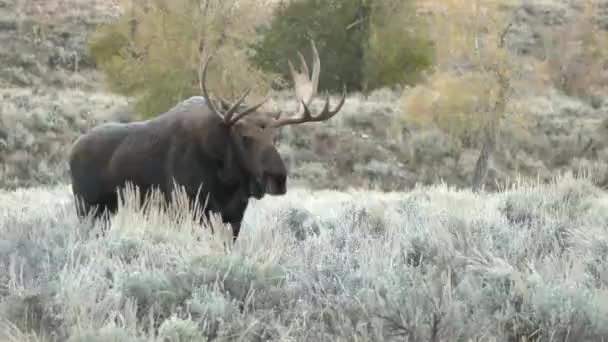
{"x": 51, "y": 93}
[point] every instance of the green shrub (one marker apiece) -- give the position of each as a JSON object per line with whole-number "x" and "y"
{"x": 361, "y": 43}
{"x": 340, "y": 49}
{"x": 397, "y": 48}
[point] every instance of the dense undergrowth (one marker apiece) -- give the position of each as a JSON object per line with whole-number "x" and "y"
{"x": 434, "y": 264}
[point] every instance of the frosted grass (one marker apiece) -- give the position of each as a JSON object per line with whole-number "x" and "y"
{"x": 436, "y": 264}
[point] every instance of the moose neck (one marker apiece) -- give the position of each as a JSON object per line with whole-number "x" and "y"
{"x": 231, "y": 172}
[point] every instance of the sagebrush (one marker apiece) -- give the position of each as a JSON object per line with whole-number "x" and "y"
{"x": 528, "y": 263}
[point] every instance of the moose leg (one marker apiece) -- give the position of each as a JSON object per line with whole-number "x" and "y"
{"x": 234, "y": 211}
{"x": 99, "y": 211}
{"x": 236, "y": 228}
{"x": 231, "y": 208}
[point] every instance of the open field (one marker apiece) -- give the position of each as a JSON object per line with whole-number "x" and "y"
{"x": 434, "y": 264}
{"x": 377, "y": 239}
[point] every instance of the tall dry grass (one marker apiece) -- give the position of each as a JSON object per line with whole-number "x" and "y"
{"x": 528, "y": 263}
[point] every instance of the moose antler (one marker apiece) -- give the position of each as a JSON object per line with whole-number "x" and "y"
{"x": 306, "y": 88}
{"x": 230, "y": 116}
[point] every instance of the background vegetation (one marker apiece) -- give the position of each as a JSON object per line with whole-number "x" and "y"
{"x": 471, "y": 94}
{"x": 154, "y": 50}
{"x": 413, "y": 122}
{"x": 365, "y": 44}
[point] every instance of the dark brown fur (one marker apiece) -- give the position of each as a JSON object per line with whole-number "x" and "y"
{"x": 190, "y": 145}
{"x": 225, "y": 156}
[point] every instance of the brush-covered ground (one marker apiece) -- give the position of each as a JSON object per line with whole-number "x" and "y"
{"x": 51, "y": 93}
{"x": 527, "y": 263}
{"x": 362, "y": 147}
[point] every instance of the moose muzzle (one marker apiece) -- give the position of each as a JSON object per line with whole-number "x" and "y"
{"x": 274, "y": 173}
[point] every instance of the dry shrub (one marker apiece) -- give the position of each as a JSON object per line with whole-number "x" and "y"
{"x": 468, "y": 90}
{"x": 458, "y": 104}
{"x": 471, "y": 94}
{"x": 576, "y": 54}
{"x": 450, "y": 102}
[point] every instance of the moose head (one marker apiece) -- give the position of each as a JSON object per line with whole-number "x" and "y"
{"x": 252, "y": 148}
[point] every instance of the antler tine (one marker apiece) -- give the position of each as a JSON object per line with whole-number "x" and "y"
{"x": 304, "y": 65}
{"x": 306, "y": 87}
{"x": 203, "y": 85}
{"x": 325, "y": 114}
{"x": 249, "y": 110}
{"x": 236, "y": 105}
{"x": 225, "y": 103}
{"x": 316, "y": 67}
{"x": 231, "y": 116}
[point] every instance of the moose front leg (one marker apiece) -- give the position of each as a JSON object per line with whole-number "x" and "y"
{"x": 236, "y": 228}
{"x": 231, "y": 209}
{"x": 234, "y": 210}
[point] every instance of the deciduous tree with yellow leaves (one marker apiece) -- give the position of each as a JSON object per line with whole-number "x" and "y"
{"x": 468, "y": 95}
{"x": 153, "y": 51}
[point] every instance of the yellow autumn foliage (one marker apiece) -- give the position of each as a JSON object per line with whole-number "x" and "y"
{"x": 153, "y": 51}
{"x": 457, "y": 104}
{"x": 472, "y": 82}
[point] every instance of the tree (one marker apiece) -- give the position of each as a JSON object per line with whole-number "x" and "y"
{"x": 363, "y": 42}
{"x": 397, "y": 48}
{"x": 153, "y": 51}
{"x": 326, "y": 22}
{"x": 469, "y": 94}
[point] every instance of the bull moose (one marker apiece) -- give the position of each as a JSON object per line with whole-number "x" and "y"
{"x": 221, "y": 154}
